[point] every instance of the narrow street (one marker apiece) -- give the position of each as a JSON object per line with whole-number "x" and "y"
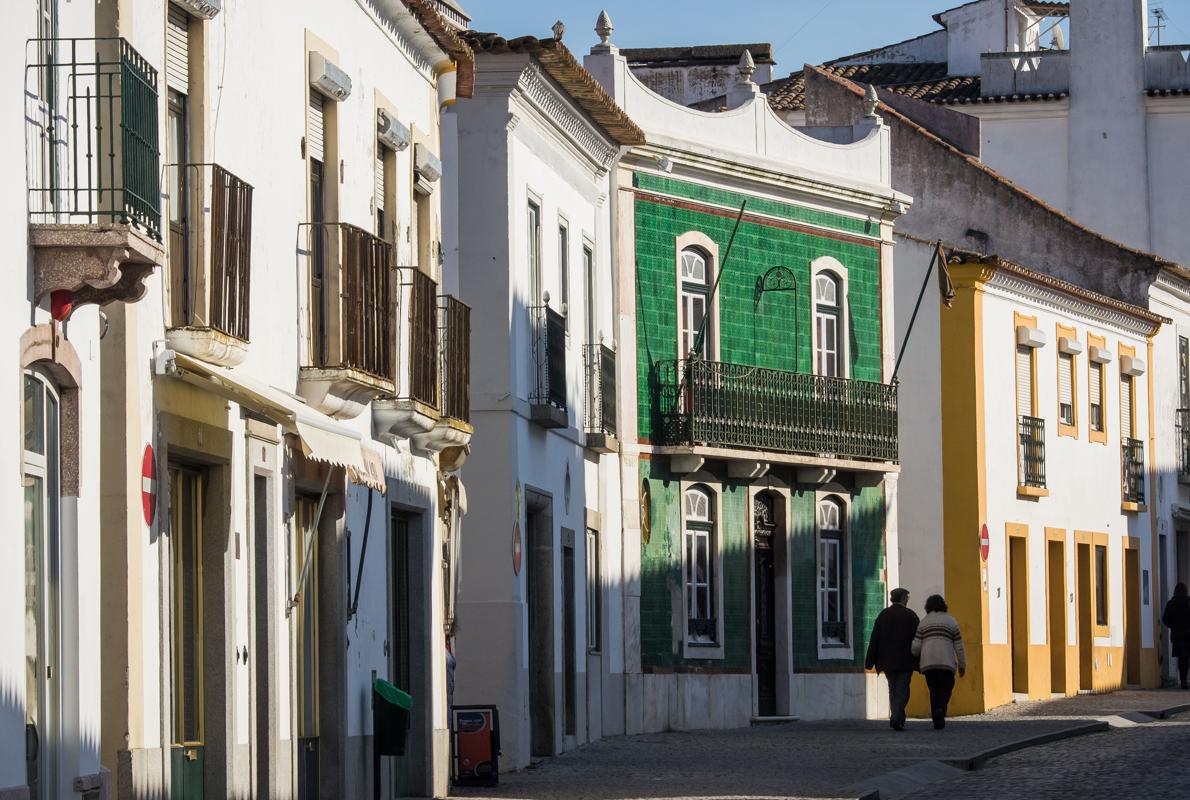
{"x": 829, "y": 759}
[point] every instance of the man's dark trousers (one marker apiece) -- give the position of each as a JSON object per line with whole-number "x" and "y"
{"x": 898, "y": 694}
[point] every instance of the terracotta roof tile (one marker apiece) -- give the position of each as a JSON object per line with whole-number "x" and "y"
{"x": 560, "y": 64}
{"x": 445, "y": 36}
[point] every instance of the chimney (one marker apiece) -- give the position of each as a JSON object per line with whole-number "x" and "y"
{"x": 1108, "y": 172}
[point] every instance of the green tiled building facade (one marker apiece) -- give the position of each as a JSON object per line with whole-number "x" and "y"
{"x": 766, "y": 324}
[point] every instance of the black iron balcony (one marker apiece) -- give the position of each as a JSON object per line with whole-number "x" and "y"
{"x": 210, "y": 255}
{"x": 352, "y": 356}
{"x": 455, "y": 353}
{"x": 1133, "y": 470}
{"x": 600, "y": 373}
{"x": 423, "y": 337}
{"x": 1183, "y": 438}
{"x": 732, "y": 405}
{"x": 547, "y": 398}
{"x": 92, "y": 161}
{"x": 1031, "y": 452}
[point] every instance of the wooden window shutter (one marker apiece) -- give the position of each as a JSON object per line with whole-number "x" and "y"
{"x": 177, "y": 50}
{"x": 1024, "y": 381}
{"x": 1126, "y": 406}
{"x": 315, "y": 137}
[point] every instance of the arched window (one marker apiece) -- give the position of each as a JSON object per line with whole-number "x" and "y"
{"x": 828, "y": 325}
{"x": 695, "y": 301}
{"x": 701, "y": 627}
{"x": 41, "y": 472}
{"x": 832, "y": 571}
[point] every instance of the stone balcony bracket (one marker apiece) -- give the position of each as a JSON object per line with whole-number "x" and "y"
{"x": 602, "y": 442}
{"x": 209, "y": 345}
{"x": 747, "y": 470}
{"x": 446, "y": 433}
{"x": 340, "y": 392}
{"x": 100, "y": 263}
{"x": 684, "y": 463}
{"x": 395, "y": 418}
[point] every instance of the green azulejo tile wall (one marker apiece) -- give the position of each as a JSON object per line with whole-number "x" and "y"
{"x": 771, "y": 330}
{"x": 662, "y": 580}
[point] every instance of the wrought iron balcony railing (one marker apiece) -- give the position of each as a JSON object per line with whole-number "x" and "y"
{"x": 455, "y": 352}
{"x": 548, "y": 331}
{"x": 423, "y": 352}
{"x": 1031, "y": 452}
{"x": 1133, "y": 470}
{"x": 600, "y": 362}
{"x": 210, "y": 254}
{"x": 91, "y": 136}
{"x": 733, "y": 405}
{"x": 357, "y": 332}
{"x": 1183, "y": 426}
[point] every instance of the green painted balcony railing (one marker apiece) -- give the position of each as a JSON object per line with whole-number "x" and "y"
{"x": 732, "y": 405}
{"x": 91, "y": 134}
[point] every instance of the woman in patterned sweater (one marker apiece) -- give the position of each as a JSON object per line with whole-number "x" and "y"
{"x": 939, "y": 648}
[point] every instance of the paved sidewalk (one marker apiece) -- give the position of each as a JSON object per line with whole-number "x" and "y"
{"x": 798, "y": 759}
{"x": 1150, "y": 760}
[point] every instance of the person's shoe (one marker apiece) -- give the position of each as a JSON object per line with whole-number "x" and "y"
{"x": 1185, "y": 685}
{"x": 897, "y": 726}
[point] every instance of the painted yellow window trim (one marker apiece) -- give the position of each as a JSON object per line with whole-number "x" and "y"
{"x": 1128, "y": 506}
{"x": 1099, "y": 437}
{"x": 1031, "y": 491}
{"x": 1069, "y": 431}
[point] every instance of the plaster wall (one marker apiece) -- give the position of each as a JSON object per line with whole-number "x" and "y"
{"x": 78, "y": 579}
{"x": 513, "y": 152}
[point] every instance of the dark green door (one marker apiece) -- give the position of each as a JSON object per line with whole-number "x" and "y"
{"x": 185, "y": 521}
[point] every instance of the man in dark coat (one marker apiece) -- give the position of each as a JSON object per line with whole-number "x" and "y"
{"x": 1177, "y": 619}
{"x": 889, "y": 651}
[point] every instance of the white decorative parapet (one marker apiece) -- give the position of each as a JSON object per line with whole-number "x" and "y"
{"x": 1024, "y": 72}
{"x": 1167, "y": 68}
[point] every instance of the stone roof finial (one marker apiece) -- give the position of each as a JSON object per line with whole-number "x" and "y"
{"x": 871, "y": 102}
{"x": 747, "y": 66}
{"x": 604, "y": 28}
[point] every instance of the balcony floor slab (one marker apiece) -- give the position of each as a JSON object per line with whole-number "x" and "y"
{"x": 794, "y": 459}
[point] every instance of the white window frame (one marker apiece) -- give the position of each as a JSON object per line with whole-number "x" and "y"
{"x": 827, "y": 264}
{"x": 694, "y": 650}
{"x": 829, "y": 650}
{"x": 592, "y": 540}
{"x": 699, "y": 241}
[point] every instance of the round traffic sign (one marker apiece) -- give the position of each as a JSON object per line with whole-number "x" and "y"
{"x": 148, "y": 484}
{"x": 985, "y": 542}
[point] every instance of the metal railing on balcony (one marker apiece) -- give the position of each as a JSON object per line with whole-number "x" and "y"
{"x": 600, "y": 363}
{"x": 548, "y": 331}
{"x": 455, "y": 351}
{"x": 423, "y": 336}
{"x": 1133, "y": 469}
{"x": 733, "y": 405}
{"x": 217, "y": 297}
{"x": 91, "y": 134}
{"x": 1031, "y": 452}
{"x": 366, "y": 263}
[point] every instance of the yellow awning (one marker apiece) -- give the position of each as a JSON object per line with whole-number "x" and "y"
{"x": 322, "y": 438}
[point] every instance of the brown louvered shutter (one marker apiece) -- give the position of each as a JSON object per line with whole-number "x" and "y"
{"x": 177, "y": 50}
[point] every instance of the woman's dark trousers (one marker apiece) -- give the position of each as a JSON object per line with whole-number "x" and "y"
{"x": 1183, "y": 668}
{"x": 941, "y": 683}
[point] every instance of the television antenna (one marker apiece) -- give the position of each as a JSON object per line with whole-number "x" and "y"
{"x": 1160, "y": 22}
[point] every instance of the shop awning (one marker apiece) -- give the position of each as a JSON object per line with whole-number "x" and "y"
{"x": 323, "y": 439}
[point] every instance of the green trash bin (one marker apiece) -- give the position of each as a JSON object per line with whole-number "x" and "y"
{"x": 391, "y": 708}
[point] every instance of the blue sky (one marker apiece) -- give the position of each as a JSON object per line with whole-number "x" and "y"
{"x": 801, "y": 30}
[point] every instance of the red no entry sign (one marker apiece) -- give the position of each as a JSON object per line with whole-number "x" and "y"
{"x": 148, "y": 484}
{"x": 985, "y": 542}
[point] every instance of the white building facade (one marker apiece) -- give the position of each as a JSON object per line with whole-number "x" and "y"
{"x": 540, "y": 616}
{"x": 284, "y": 411}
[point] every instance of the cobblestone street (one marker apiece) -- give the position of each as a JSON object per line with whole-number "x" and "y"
{"x": 832, "y": 759}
